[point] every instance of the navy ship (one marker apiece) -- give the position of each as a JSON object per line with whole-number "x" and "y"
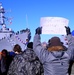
{"x": 8, "y": 38}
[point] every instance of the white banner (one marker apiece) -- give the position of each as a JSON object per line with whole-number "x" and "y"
{"x": 53, "y": 25}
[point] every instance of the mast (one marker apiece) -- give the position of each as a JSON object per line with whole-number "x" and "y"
{"x": 2, "y": 17}
{"x": 2, "y": 11}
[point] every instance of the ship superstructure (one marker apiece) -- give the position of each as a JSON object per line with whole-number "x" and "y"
{"x": 8, "y": 38}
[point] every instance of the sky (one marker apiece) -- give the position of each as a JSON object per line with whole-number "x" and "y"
{"x": 27, "y": 13}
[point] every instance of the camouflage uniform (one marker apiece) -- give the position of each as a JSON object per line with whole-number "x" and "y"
{"x": 26, "y": 63}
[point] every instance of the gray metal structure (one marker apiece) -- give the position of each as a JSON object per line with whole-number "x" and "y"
{"x": 8, "y": 38}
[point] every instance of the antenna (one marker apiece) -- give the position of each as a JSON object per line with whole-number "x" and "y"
{"x": 27, "y": 21}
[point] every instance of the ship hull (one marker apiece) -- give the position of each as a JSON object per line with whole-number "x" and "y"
{"x": 8, "y": 42}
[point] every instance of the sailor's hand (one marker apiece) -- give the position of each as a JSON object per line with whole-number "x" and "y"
{"x": 68, "y": 31}
{"x": 38, "y": 30}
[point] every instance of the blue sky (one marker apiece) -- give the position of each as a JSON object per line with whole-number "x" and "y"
{"x": 35, "y": 9}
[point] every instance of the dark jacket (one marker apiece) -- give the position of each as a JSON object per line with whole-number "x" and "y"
{"x": 26, "y": 63}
